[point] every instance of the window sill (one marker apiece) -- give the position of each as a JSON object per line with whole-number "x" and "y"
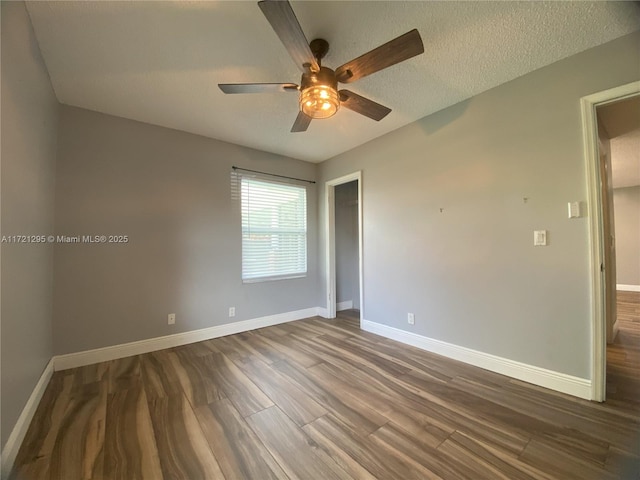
{"x": 274, "y": 278}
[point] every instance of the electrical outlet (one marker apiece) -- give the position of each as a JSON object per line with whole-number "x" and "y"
{"x": 232, "y": 311}
{"x": 171, "y": 319}
{"x": 411, "y": 319}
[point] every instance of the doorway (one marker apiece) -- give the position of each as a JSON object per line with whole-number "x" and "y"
{"x": 344, "y": 245}
{"x": 601, "y": 168}
{"x": 619, "y": 129}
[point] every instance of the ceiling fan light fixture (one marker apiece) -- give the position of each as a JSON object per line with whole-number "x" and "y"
{"x": 319, "y": 96}
{"x": 319, "y": 101}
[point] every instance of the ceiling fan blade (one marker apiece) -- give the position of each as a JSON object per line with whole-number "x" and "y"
{"x": 302, "y": 123}
{"x": 363, "y": 105}
{"x": 397, "y": 50}
{"x": 283, "y": 20}
{"x": 258, "y": 87}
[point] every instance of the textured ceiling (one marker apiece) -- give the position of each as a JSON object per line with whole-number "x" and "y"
{"x": 160, "y": 62}
{"x": 621, "y": 121}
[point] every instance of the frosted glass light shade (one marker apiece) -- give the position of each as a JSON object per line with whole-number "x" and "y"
{"x": 319, "y": 101}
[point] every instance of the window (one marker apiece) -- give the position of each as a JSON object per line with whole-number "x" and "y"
{"x": 274, "y": 230}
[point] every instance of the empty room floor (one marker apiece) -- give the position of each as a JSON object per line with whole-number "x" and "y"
{"x": 623, "y": 356}
{"x": 321, "y": 399}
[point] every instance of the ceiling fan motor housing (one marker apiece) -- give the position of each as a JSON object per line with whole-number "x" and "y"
{"x": 319, "y": 93}
{"x": 325, "y": 77}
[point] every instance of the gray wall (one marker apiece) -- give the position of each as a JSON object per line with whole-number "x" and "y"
{"x": 346, "y": 233}
{"x": 626, "y": 207}
{"x": 170, "y": 192}
{"x": 471, "y": 273}
{"x": 29, "y": 124}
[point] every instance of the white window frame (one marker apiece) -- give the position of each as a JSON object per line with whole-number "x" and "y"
{"x": 246, "y": 228}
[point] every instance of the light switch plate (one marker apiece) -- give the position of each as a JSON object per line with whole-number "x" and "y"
{"x": 539, "y": 238}
{"x": 574, "y": 209}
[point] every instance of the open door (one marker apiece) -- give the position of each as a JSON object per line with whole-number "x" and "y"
{"x": 601, "y": 228}
{"x": 330, "y": 231}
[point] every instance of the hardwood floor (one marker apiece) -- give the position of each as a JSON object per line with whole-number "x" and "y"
{"x": 319, "y": 399}
{"x": 623, "y": 356}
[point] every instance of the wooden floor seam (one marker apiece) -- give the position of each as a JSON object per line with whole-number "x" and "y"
{"x": 322, "y": 399}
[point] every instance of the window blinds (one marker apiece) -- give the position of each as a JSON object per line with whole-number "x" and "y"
{"x": 274, "y": 230}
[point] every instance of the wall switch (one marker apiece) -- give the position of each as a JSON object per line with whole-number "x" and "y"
{"x": 171, "y": 319}
{"x": 539, "y": 238}
{"x": 411, "y": 318}
{"x": 574, "y": 209}
{"x": 232, "y": 311}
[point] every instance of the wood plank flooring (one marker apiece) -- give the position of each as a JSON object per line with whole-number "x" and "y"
{"x": 319, "y": 399}
{"x": 623, "y": 356}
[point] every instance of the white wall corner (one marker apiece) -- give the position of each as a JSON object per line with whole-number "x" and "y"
{"x": 322, "y": 312}
{"x": 88, "y": 357}
{"x": 576, "y": 386}
{"x": 10, "y": 450}
{"x": 628, "y": 288}
{"x": 346, "y": 305}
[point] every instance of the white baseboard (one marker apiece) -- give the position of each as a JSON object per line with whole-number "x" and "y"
{"x": 346, "y": 305}
{"x": 88, "y": 357}
{"x": 10, "y": 450}
{"x": 72, "y": 360}
{"x": 324, "y": 313}
{"x": 628, "y": 288}
{"x": 571, "y": 385}
{"x": 579, "y": 387}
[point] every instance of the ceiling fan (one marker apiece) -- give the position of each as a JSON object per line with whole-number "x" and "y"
{"x": 319, "y": 96}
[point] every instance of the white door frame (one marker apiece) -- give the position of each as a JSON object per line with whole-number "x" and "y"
{"x": 330, "y": 252}
{"x": 596, "y": 229}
